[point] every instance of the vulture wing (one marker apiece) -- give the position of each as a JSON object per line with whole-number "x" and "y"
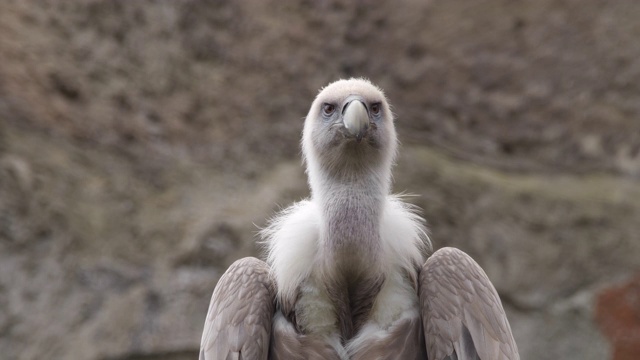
{"x": 461, "y": 312}
{"x": 238, "y": 324}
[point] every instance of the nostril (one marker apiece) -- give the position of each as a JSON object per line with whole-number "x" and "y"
{"x": 344, "y": 108}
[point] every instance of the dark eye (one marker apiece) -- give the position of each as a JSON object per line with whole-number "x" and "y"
{"x": 375, "y": 109}
{"x": 328, "y": 109}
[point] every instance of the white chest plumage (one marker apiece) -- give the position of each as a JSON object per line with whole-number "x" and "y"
{"x": 293, "y": 243}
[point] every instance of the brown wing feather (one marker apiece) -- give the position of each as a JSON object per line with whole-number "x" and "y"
{"x": 238, "y": 324}
{"x": 461, "y": 310}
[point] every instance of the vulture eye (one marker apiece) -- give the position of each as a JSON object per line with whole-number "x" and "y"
{"x": 328, "y": 109}
{"x": 375, "y": 109}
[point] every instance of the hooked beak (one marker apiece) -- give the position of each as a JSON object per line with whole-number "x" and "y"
{"x": 356, "y": 119}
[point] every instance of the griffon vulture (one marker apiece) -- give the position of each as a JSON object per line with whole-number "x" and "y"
{"x": 346, "y": 275}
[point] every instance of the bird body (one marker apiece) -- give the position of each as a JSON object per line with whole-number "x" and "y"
{"x": 346, "y": 276}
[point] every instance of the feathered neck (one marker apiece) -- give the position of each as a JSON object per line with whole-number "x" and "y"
{"x": 351, "y": 200}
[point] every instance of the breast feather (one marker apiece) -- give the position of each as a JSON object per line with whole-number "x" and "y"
{"x": 291, "y": 239}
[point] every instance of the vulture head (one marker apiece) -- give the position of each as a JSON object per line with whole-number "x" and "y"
{"x": 349, "y": 133}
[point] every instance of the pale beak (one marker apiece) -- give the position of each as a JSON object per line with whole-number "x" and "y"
{"x": 356, "y": 119}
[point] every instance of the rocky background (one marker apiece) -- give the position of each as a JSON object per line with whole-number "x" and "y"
{"x": 143, "y": 142}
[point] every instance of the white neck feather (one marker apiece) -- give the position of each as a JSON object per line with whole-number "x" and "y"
{"x": 351, "y": 201}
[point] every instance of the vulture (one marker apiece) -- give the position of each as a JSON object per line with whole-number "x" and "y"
{"x": 347, "y": 273}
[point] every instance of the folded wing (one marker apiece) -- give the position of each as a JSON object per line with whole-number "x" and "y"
{"x": 238, "y": 324}
{"x": 462, "y": 314}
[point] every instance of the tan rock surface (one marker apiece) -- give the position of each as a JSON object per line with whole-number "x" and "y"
{"x": 141, "y": 143}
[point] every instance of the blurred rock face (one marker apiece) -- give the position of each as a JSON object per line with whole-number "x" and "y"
{"x": 141, "y": 141}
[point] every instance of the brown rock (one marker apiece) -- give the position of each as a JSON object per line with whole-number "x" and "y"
{"x": 618, "y": 315}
